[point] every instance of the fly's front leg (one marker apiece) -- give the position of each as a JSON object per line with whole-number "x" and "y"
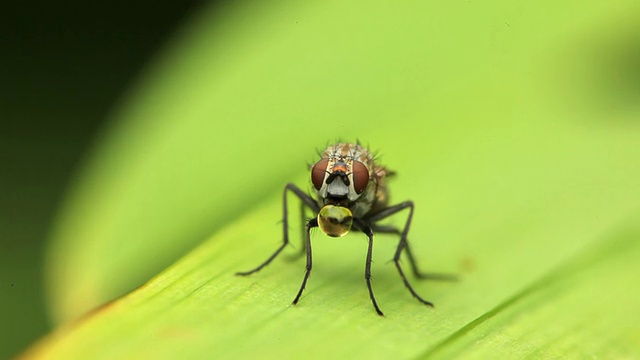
{"x": 365, "y": 228}
{"x": 311, "y": 224}
{"x": 306, "y": 200}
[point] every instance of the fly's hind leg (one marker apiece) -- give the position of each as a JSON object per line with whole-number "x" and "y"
{"x": 426, "y": 275}
{"x": 387, "y": 229}
{"x": 402, "y": 244}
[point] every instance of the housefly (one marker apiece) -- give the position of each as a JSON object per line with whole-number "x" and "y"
{"x": 350, "y": 193}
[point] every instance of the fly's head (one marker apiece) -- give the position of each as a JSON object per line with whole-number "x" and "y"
{"x": 340, "y": 178}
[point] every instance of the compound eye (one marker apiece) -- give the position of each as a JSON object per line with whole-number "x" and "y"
{"x": 318, "y": 172}
{"x": 360, "y": 176}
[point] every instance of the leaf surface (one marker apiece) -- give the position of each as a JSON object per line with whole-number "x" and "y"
{"x": 523, "y": 173}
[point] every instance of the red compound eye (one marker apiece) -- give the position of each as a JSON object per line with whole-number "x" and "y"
{"x": 360, "y": 176}
{"x": 318, "y": 172}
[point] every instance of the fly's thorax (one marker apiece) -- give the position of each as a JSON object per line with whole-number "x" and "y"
{"x": 381, "y": 194}
{"x": 346, "y": 175}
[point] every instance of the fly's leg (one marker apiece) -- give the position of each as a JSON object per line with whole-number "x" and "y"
{"x": 303, "y": 221}
{"x": 306, "y": 200}
{"x": 386, "y": 229}
{"x": 426, "y": 275}
{"x": 402, "y": 244}
{"x": 365, "y": 228}
{"x": 367, "y": 274}
{"x": 311, "y": 224}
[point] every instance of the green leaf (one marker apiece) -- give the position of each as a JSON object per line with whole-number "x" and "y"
{"x": 495, "y": 117}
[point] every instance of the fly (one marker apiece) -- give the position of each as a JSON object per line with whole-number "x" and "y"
{"x": 351, "y": 193}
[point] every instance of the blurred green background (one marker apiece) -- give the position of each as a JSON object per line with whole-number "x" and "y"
{"x": 63, "y": 66}
{"x": 498, "y": 108}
